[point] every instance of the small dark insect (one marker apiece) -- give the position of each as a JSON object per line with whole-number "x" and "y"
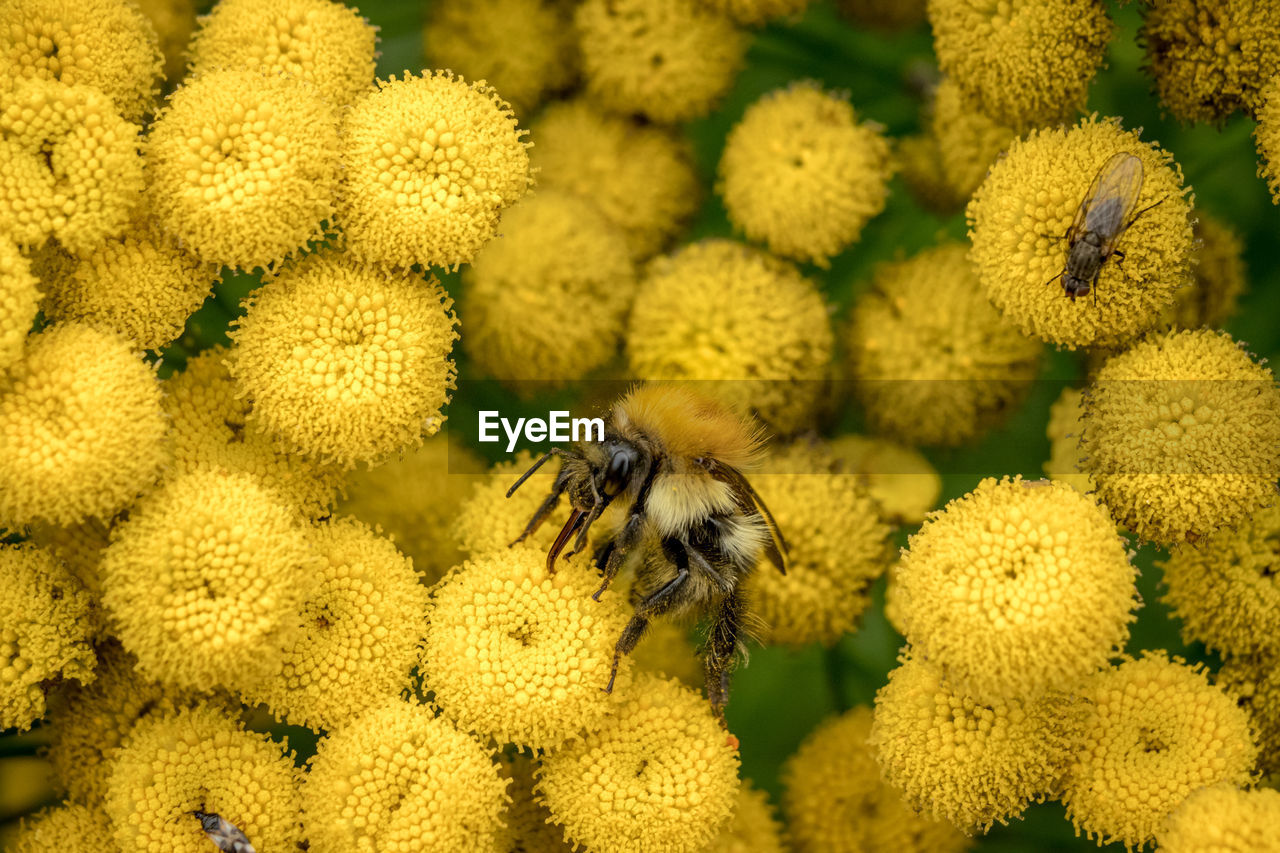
{"x": 223, "y": 833}
{"x": 1100, "y": 222}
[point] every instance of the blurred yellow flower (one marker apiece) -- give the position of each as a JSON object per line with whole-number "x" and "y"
{"x": 1254, "y": 682}
{"x": 900, "y": 478}
{"x": 968, "y": 141}
{"x": 757, "y": 12}
{"x": 1223, "y": 819}
{"x": 1219, "y": 277}
{"x": 19, "y": 302}
{"x": 665, "y": 650}
{"x": 67, "y": 828}
{"x": 1066, "y": 458}
{"x": 528, "y": 821}
{"x": 174, "y": 21}
{"x": 753, "y": 829}
{"x": 919, "y": 161}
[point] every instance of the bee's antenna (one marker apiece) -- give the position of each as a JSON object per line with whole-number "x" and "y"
{"x": 555, "y": 451}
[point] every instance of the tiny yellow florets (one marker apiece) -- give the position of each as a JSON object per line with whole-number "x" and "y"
{"x": 522, "y": 656}
{"x": 900, "y": 478}
{"x": 401, "y": 778}
{"x": 243, "y": 166}
{"x": 79, "y": 546}
{"x": 490, "y": 521}
{"x": 800, "y": 174}
{"x": 1024, "y": 62}
{"x": 968, "y": 141}
{"x": 721, "y": 311}
{"x": 346, "y": 362}
{"x": 756, "y": 12}
{"x": 1267, "y": 136}
{"x": 1219, "y": 278}
{"x": 174, "y": 21}
{"x": 665, "y": 650}
{"x": 1254, "y": 682}
{"x": 1181, "y": 433}
{"x": 81, "y": 428}
{"x": 1017, "y": 588}
{"x": 660, "y": 774}
{"x": 1157, "y": 731}
{"x": 547, "y": 301}
{"x": 1066, "y": 458}
{"x": 430, "y": 164}
{"x": 528, "y": 821}
{"x": 1223, "y": 819}
{"x": 669, "y": 60}
{"x": 66, "y": 828}
{"x": 754, "y": 829}
{"x": 1030, "y": 199}
{"x": 19, "y": 301}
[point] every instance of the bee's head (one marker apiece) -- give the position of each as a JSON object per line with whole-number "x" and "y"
{"x": 605, "y": 471}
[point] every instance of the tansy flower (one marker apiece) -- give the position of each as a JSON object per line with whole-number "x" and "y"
{"x": 401, "y": 778}
{"x": 753, "y": 829}
{"x": 919, "y": 161}
{"x": 1017, "y": 588}
{"x": 968, "y": 141}
{"x": 104, "y": 44}
{"x": 547, "y": 301}
{"x": 800, "y": 174}
{"x": 718, "y": 310}
{"x": 1157, "y": 731}
{"x": 524, "y": 48}
{"x": 669, "y": 60}
{"x": 174, "y": 21}
{"x": 1219, "y": 278}
{"x": 893, "y": 599}
{"x": 67, "y": 828}
{"x": 430, "y": 164}
{"x": 884, "y": 14}
{"x": 756, "y": 12}
{"x": 69, "y": 165}
{"x": 660, "y": 774}
{"x": 243, "y": 166}
{"x": 968, "y": 760}
{"x": 1267, "y": 135}
{"x": 205, "y": 580}
{"x": 489, "y": 521}
{"x": 1031, "y": 197}
{"x": 360, "y": 634}
{"x": 19, "y": 301}
{"x": 522, "y": 656}
{"x": 1023, "y": 63}
{"x": 1222, "y": 819}
{"x": 834, "y": 799}
{"x": 1181, "y": 433}
{"x": 838, "y": 547}
{"x": 665, "y": 650}
{"x": 1066, "y": 459}
{"x": 933, "y": 362}
{"x": 900, "y": 478}
{"x": 640, "y": 176}
{"x": 81, "y": 429}
{"x": 323, "y": 43}
{"x": 1254, "y": 682}
{"x": 79, "y": 547}
{"x": 346, "y": 362}
{"x": 43, "y": 631}
{"x": 201, "y": 759}
{"x": 528, "y": 821}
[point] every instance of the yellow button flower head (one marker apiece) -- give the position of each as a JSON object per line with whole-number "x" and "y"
{"x": 81, "y": 429}
{"x": 1031, "y": 197}
{"x": 174, "y": 21}
{"x": 79, "y": 547}
{"x": 323, "y": 43}
{"x": 1223, "y": 819}
{"x": 665, "y": 650}
{"x": 966, "y": 760}
{"x": 933, "y": 362}
{"x": 660, "y": 774}
{"x": 1017, "y": 588}
{"x": 900, "y": 478}
{"x": 1254, "y": 682}
{"x": 1181, "y": 433}
{"x": 1219, "y": 278}
{"x": 1023, "y": 63}
{"x": 401, "y": 778}
{"x": 430, "y": 163}
{"x": 834, "y": 798}
{"x": 201, "y": 759}
{"x": 205, "y": 580}
{"x": 640, "y": 176}
{"x": 346, "y": 362}
{"x": 243, "y": 166}
{"x": 69, "y": 165}
{"x": 548, "y": 301}
{"x": 839, "y": 546}
{"x": 1157, "y": 732}
{"x": 668, "y": 60}
{"x": 801, "y": 175}
{"x": 520, "y": 656}
{"x": 67, "y": 828}
{"x": 1066, "y": 458}
{"x": 756, "y": 12}
{"x": 104, "y": 44}
{"x": 361, "y": 628}
{"x": 43, "y": 631}
{"x": 1267, "y": 135}
{"x": 19, "y": 301}
{"x": 753, "y": 829}
{"x": 968, "y": 141}
{"x": 718, "y": 310}
{"x": 490, "y": 521}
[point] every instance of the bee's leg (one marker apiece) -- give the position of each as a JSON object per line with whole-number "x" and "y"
{"x": 602, "y": 556}
{"x": 547, "y": 507}
{"x": 628, "y": 537}
{"x": 650, "y": 606}
{"x": 721, "y": 645}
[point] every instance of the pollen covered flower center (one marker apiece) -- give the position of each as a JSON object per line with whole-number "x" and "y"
{"x": 426, "y": 168}
{"x": 354, "y": 347}
{"x": 239, "y": 159}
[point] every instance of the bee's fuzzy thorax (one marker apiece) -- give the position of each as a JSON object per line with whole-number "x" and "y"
{"x": 690, "y": 424}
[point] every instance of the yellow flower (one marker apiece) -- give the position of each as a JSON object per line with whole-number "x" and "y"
{"x": 968, "y": 141}
{"x": 401, "y": 778}
{"x": 660, "y": 774}
{"x": 800, "y": 174}
{"x": 79, "y": 547}
{"x": 1157, "y": 732}
{"x": 890, "y": 15}
{"x": 918, "y": 159}
{"x": 201, "y": 759}
{"x": 753, "y": 829}
{"x": 528, "y": 820}
{"x": 834, "y": 798}
{"x": 1219, "y": 278}
{"x": 972, "y": 761}
{"x": 1029, "y": 200}
{"x": 205, "y": 580}
{"x": 69, "y": 165}
{"x": 757, "y": 12}
{"x": 67, "y": 828}
{"x": 19, "y": 302}
{"x": 1025, "y": 62}
{"x": 669, "y": 60}
{"x": 489, "y": 521}
{"x": 346, "y": 362}
{"x": 522, "y": 656}
{"x": 900, "y": 478}
{"x": 718, "y": 310}
{"x": 1017, "y": 588}
{"x": 1181, "y": 433}
{"x": 361, "y": 627}
{"x": 174, "y": 21}
{"x": 640, "y": 176}
{"x": 665, "y": 650}
{"x": 1222, "y": 819}
{"x": 243, "y": 166}
{"x": 1254, "y": 682}
{"x": 81, "y": 429}
{"x": 103, "y": 44}
{"x": 320, "y": 42}
{"x": 430, "y": 164}
{"x": 1066, "y": 458}
{"x": 1267, "y": 135}
{"x": 933, "y": 362}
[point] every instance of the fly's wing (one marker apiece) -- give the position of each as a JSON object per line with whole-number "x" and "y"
{"x": 228, "y": 837}
{"x": 1113, "y": 197}
{"x": 748, "y": 501}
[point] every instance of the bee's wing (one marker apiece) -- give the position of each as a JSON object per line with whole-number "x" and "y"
{"x": 1112, "y": 197}
{"x": 748, "y": 500}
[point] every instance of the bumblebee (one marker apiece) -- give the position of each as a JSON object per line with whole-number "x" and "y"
{"x": 693, "y": 528}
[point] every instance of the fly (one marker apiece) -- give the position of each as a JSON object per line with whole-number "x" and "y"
{"x": 223, "y": 833}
